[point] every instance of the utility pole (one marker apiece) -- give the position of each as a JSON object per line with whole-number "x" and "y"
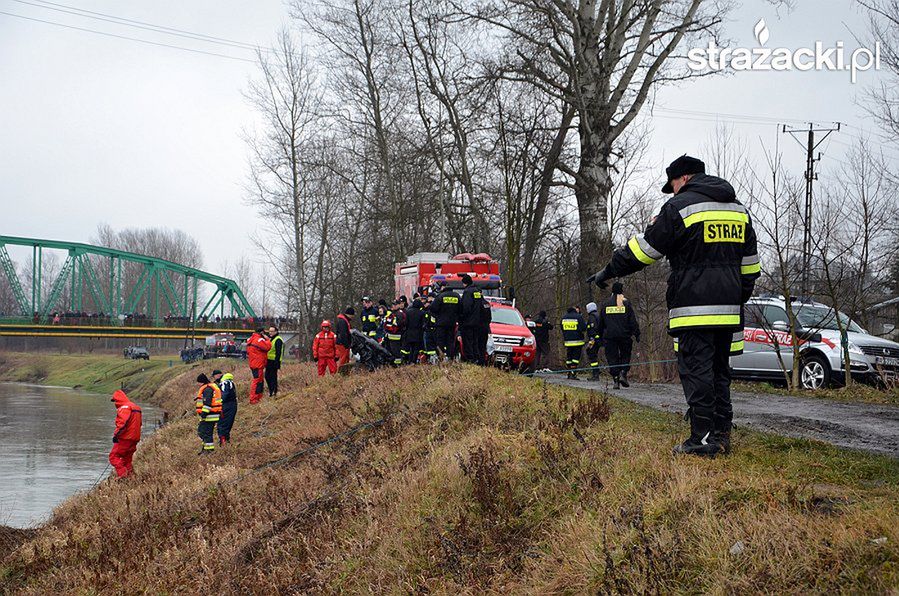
{"x": 810, "y": 146}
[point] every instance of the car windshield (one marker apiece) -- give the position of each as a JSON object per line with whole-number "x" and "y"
{"x": 507, "y": 316}
{"x": 819, "y": 317}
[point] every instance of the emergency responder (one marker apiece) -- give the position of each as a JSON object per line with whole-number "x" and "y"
{"x": 574, "y": 330}
{"x": 324, "y": 349}
{"x": 446, "y": 311}
{"x": 429, "y": 347}
{"x": 394, "y": 322}
{"x": 209, "y": 409}
{"x": 617, "y": 325}
{"x": 594, "y": 340}
{"x": 483, "y": 333}
{"x": 273, "y": 362}
{"x": 257, "y": 357}
{"x": 369, "y": 317}
{"x": 225, "y": 383}
{"x": 542, "y": 327}
{"x": 126, "y": 436}
{"x": 380, "y": 334}
{"x": 413, "y": 338}
{"x": 471, "y": 307}
{"x": 344, "y": 337}
{"x": 708, "y": 238}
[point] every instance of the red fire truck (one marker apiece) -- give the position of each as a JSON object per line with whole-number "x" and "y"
{"x": 512, "y": 342}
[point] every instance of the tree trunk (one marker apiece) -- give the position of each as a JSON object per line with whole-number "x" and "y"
{"x": 593, "y": 187}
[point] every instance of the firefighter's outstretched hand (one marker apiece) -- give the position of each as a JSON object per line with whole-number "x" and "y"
{"x": 599, "y": 279}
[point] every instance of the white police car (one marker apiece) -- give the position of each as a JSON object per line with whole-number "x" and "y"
{"x": 766, "y": 328}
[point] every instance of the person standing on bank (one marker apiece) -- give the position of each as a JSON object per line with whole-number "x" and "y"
{"x": 574, "y": 331}
{"x": 708, "y": 238}
{"x": 126, "y": 436}
{"x": 617, "y": 325}
{"x": 470, "y": 314}
{"x": 209, "y": 409}
{"x": 225, "y": 383}
{"x": 344, "y": 337}
{"x": 257, "y": 357}
{"x": 542, "y": 327}
{"x": 369, "y": 318}
{"x": 594, "y": 340}
{"x": 275, "y": 357}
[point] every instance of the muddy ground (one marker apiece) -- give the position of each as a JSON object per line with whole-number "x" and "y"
{"x": 866, "y": 427}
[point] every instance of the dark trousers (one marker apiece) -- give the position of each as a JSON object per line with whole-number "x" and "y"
{"x": 618, "y": 354}
{"x": 411, "y": 351}
{"x": 205, "y": 430}
{"x": 543, "y": 357}
{"x": 593, "y": 356}
{"x": 471, "y": 344}
{"x": 229, "y": 412}
{"x": 271, "y": 377}
{"x": 703, "y": 361}
{"x": 483, "y": 334}
{"x": 395, "y": 347}
{"x": 573, "y": 356}
{"x": 445, "y": 340}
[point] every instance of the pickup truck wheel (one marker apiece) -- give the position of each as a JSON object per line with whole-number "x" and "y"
{"x": 815, "y": 373}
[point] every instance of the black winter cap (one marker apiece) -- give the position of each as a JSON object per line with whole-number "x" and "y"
{"x": 350, "y": 311}
{"x": 201, "y": 378}
{"x": 466, "y": 279}
{"x": 618, "y": 288}
{"x": 682, "y": 166}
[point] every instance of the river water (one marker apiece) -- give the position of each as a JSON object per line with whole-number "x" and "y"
{"x": 54, "y": 441}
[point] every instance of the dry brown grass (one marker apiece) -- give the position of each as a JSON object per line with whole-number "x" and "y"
{"x": 469, "y": 481}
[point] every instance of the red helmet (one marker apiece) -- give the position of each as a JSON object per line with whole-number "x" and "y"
{"x": 326, "y": 324}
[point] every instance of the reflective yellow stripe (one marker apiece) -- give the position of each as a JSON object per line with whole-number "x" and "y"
{"x": 574, "y": 344}
{"x": 638, "y": 252}
{"x": 705, "y": 320}
{"x": 676, "y": 346}
{"x": 715, "y": 215}
{"x": 750, "y": 269}
{"x": 392, "y": 337}
{"x": 737, "y": 346}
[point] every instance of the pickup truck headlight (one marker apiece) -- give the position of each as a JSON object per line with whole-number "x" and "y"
{"x": 529, "y": 341}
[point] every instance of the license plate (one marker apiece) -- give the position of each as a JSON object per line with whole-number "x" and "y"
{"x": 506, "y": 349}
{"x": 887, "y": 361}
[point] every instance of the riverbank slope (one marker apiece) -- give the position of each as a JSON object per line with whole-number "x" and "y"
{"x": 457, "y": 479}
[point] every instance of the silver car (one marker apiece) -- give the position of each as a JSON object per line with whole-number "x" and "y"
{"x": 872, "y": 359}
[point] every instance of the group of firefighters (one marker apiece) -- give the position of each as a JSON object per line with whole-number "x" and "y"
{"x": 703, "y": 231}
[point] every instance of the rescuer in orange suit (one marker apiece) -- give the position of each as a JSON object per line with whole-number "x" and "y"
{"x": 258, "y": 347}
{"x": 324, "y": 349}
{"x": 128, "y": 421}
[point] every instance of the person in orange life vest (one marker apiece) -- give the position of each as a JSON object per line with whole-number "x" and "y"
{"x": 258, "y": 347}
{"x": 209, "y": 409}
{"x": 344, "y": 339}
{"x": 324, "y": 349}
{"x": 126, "y": 436}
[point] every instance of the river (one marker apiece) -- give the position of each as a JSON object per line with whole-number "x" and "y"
{"x": 54, "y": 441}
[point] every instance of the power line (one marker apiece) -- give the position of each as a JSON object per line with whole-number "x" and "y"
{"x": 125, "y": 37}
{"x": 109, "y": 18}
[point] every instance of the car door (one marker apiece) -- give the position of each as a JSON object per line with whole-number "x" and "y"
{"x": 774, "y": 339}
{"x": 750, "y": 361}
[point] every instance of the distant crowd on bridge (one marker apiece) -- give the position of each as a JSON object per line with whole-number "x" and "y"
{"x": 138, "y": 319}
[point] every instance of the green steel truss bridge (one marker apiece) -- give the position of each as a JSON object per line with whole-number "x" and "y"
{"x": 94, "y": 274}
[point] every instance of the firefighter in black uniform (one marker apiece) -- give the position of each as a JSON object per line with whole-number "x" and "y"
{"x": 617, "y": 325}
{"x": 594, "y": 340}
{"x": 413, "y": 338}
{"x": 369, "y": 318}
{"x": 471, "y": 308}
{"x": 708, "y": 238}
{"x": 446, "y": 310}
{"x": 429, "y": 347}
{"x": 573, "y": 333}
{"x": 542, "y": 327}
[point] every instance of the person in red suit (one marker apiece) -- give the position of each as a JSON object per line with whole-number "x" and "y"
{"x": 128, "y": 421}
{"x": 257, "y": 357}
{"x": 324, "y": 349}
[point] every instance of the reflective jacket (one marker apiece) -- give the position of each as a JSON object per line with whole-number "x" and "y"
{"x": 618, "y": 322}
{"x": 471, "y": 307}
{"x": 276, "y": 353}
{"x": 593, "y": 331}
{"x": 708, "y": 238}
{"x": 573, "y": 329}
{"x": 446, "y": 308}
{"x": 324, "y": 345}
{"x": 257, "y": 350}
{"x": 226, "y": 385}
{"x": 209, "y": 402}
{"x": 370, "y": 321}
{"x": 128, "y": 418}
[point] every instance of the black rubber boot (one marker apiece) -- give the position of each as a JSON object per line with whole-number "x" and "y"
{"x": 624, "y": 382}
{"x": 617, "y": 383}
{"x": 723, "y": 427}
{"x": 595, "y": 375}
{"x": 702, "y": 437}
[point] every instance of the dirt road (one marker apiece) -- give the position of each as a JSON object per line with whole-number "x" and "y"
{"x": 867, "y": 427}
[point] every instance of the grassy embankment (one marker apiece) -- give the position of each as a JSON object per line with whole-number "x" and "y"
{"x": 469, "y": 481}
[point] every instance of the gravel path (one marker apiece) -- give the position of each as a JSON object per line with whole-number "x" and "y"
{"x": 867, "y": 427}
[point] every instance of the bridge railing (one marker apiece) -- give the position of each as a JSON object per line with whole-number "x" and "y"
{"x": 70, "y": 320}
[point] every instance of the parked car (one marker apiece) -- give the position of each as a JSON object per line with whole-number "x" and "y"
{"x": 137, "y": 353}
{"x": 512, "y": 343}
{"x": 872, "y": 359}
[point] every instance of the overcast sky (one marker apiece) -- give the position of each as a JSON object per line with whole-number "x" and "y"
{"x": 97, "y": 129}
